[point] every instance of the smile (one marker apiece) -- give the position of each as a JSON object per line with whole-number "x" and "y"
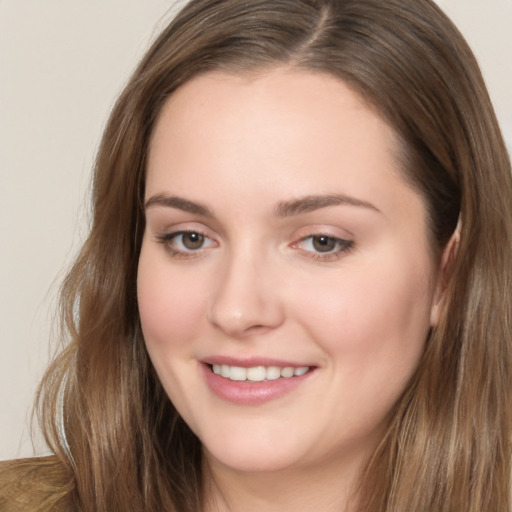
{"x": 258, "y": 373}
{"x": 252, "y": 384}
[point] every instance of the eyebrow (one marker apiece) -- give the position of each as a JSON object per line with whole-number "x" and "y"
{"x": 316, "y": 202}
{"x": 289, "y": 208}
{"x": 179, "y": 203}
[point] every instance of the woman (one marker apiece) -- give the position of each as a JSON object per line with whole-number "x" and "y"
{"x": 295, "y": 288}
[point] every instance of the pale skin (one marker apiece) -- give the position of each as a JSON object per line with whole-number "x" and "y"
{"x": 280, "y": 225}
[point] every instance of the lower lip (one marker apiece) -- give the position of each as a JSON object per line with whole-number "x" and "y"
{"x": 251, "y": 393}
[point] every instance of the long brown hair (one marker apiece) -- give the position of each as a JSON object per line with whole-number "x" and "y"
{"x": 447, "y": 448}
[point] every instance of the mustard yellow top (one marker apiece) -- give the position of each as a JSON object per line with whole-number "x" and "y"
{"x": 35, "y": 485}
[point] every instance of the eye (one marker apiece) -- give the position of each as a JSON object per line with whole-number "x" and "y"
{"x": 184, "y": 243}
{"x": 323, "y": 243}
{"x": 190, "y": 240}
{"x": 324, "y": 246}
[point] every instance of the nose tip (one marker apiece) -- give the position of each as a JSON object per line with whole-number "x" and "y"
{"x": 245, "y": 302}
{"x": 237, "y": 323}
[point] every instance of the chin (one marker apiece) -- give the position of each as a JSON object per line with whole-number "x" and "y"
{"x": 264, "y": 462}
{"x": 250, "y": 456}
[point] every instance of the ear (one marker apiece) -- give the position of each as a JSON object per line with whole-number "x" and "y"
{"x": 444, "y": 274}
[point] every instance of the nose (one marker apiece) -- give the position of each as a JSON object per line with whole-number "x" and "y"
{"x": 246, "y": 300}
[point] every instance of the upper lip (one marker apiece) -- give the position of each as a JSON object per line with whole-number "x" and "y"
{"x": 251, "y": 362}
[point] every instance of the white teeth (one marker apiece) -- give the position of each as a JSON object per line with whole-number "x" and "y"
{"x": 237, "y": 373}
{"x": 273, "y": 373}
{"x": 287, "y": 372}
{"x": 258, "y": 373}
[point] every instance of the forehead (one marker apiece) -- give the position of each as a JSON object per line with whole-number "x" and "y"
{"x": 288, "y": 94}
{"x": 294, "y": 131}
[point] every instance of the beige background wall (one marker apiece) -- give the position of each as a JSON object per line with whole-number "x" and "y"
{"x": 62, "y": 63}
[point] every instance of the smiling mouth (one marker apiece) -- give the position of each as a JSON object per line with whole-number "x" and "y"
{"x": 258, "y": 373}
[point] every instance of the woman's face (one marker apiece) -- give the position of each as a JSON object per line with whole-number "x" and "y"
{"x": 285, "y": 282}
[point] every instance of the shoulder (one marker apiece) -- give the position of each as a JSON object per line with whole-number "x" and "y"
{"x": 35, "y": 485}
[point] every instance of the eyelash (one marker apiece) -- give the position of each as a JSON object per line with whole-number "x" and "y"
{"x": 341, "y": 245}
{"x": 168, "y": 239}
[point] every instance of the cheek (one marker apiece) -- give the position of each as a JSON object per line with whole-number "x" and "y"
{"x": 372, "y": 321}
{"x": 171, "y": 313}
{"x": 373, "y": 329}
{"x": 171, "y": 307}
